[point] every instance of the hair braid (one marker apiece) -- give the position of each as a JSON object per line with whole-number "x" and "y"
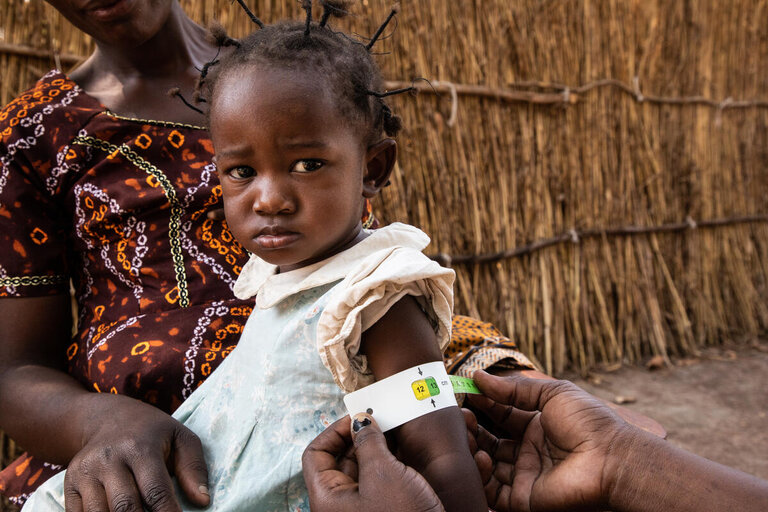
{"x": 343, "y": 63}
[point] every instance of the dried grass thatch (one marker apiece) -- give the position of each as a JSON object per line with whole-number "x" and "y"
{"x": 619, "y": 220}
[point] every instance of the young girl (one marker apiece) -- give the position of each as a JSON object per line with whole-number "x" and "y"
{"x": 297, "y": 120}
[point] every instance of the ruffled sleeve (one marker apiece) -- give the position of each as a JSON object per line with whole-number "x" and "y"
{"x": 35, "y": 132}
{"x": 366, "y": 294}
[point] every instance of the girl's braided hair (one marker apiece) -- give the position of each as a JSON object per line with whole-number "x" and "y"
{"x": 345, "y": 64}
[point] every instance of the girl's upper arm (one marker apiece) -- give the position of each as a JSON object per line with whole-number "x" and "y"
{"x": 401, "y": 339}
{"x": 434, "y": 444}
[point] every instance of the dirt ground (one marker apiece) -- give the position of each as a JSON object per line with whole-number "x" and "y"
{"x": 715, "y": 405}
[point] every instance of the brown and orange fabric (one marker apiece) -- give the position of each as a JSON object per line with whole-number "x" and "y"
{"x": 477, "y": 345}
{"x": 118, "y": 207}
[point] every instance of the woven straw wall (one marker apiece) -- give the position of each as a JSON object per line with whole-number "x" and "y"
{"x": 593, "y": 224}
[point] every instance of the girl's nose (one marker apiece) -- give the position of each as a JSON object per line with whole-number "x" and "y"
{"x": 272, "y": 198}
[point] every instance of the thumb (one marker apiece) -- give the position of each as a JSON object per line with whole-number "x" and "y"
{"x": 370, "y": 444}
{"x": 189, "y": 466}
{"x": 525, "y": 390}
{"x": 384, "y": 482}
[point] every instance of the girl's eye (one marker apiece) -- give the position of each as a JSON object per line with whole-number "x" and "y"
{"x": 241, "y": 173}
{"x": 307, "y": 165}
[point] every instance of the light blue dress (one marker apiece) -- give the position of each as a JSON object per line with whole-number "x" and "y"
{"x": 282, "y": 385}
{"x": 262, "y": 407}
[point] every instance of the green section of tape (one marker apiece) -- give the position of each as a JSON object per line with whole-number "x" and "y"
{"x": 463, "y": 385}
{"x": 432, "y": 386}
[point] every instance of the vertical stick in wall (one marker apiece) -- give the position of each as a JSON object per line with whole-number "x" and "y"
{"x": 547, "y": 310}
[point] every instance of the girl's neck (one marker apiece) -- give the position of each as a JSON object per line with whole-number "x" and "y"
{"x": 355, "y": 238}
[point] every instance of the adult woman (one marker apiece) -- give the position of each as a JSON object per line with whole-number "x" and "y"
{"x": 126, "y": 199}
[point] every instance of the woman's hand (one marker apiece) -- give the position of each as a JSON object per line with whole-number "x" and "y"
{"x": 130, "y": 452}
{"x": 563, "y": 449}
{"x": 369, "y": 478}
{"x": 119, "y": 450}
{"x": 555, "y": 458}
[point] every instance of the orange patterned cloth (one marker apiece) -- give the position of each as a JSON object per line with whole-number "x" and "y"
{"x": 117, "y": 207}
{"x": 477, "y": 345}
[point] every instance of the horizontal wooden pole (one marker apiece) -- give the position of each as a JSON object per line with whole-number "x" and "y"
{"x": 29, "y": 51}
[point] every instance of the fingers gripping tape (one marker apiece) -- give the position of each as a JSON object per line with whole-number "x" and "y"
{"x": 408, "y": 395}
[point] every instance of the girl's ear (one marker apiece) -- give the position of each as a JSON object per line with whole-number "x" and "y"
{"x": 380, "y": 160}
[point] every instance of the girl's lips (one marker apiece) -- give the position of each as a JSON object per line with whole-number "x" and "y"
{"x": 276, "y": 241}
{"x": 112, "y": 10}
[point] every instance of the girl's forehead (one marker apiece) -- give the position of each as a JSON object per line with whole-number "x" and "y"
{"x": 260, "y": 89}
{"x": 249, "y": 87}
{"x": 278, "y": 107}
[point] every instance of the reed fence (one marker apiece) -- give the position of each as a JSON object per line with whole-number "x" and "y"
{"x": 596, "y": 171}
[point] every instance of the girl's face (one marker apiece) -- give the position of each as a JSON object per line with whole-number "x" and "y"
{"x": 294, "y": 172}
{"x": 121, "y": 23}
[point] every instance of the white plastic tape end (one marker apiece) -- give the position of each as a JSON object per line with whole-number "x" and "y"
{"x": 404, "y": 396}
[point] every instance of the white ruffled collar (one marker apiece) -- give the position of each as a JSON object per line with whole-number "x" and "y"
{"x": 259, "y": 278}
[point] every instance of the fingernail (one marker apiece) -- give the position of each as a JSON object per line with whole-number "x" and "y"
{"x": 204, "y": 490}
{"x": 360, "y": 421}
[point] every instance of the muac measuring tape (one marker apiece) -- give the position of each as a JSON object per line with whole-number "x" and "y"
{"x": 409, "y": 394}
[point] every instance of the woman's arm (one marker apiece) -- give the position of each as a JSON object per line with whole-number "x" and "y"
{"x": 119, "y": 448}
{"x": 562, "y": 449}
{"x": 649, "y": 474}
{"x": 35, "y": 391}
{"x": 435, "y": 444}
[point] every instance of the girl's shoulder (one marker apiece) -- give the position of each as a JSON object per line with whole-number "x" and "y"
{"x": 388, "y": 265}
{"x": 392, "y": 253}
